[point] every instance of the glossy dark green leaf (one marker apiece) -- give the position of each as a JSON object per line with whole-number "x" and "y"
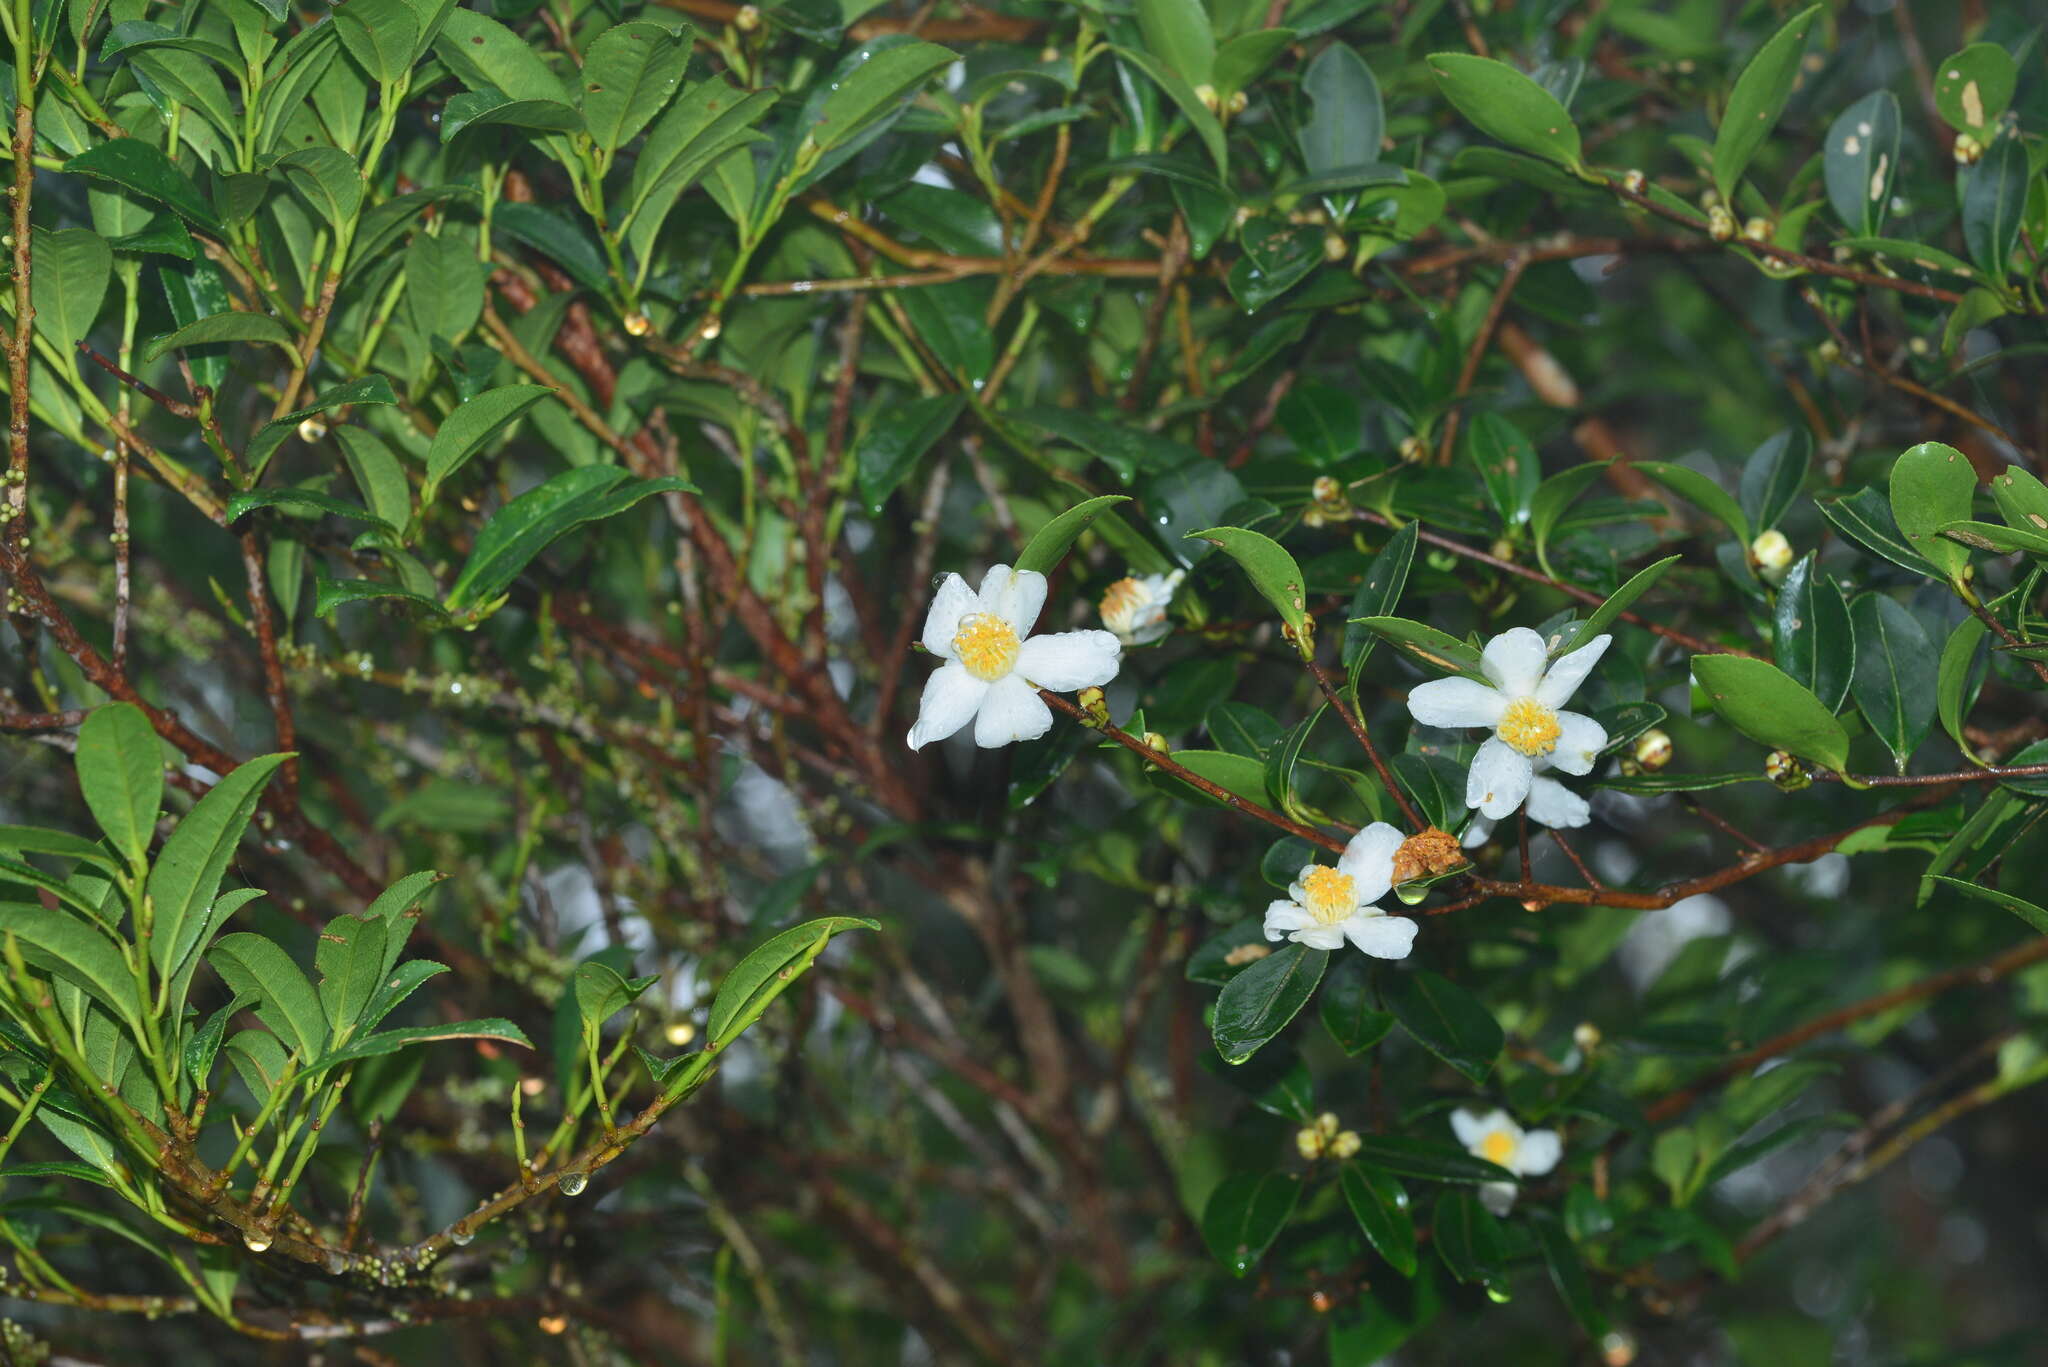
{"x": 1347, "y": 1006}
{"x": 1994, "y": 201}
{"x": 1896, "y": 674}
{"x": 472, "y": 424}
{"x": 121, "y": 775}
{"x": 1258, "y": 1003}
{"x": 1866, "y": 518}
{"x": 1445, "y": 1019}
{"x": 1568, "y": 1273}
{"x": 1774, "y": 475}
{"x": 1758, "y": 99}
{"x": 1772, "y": 708}
{"x": 391, "y": 1041}
{"x": 1427, "y": 646}
{"x": 1245, "y": 1213}
{"x": 1960, "y": 675}
{"x": 709, "y": 122}
{"x": 1278, "y": 255}
{"x": 1177, "y": 32}
{"x": 1379, "y": 1203}
{"x": 329, "y": 594}
{"x": 309, "y": 500}
{"x": 1814, "y": 636}
{"x": 223, "y": 327}
{"x": 1698, "y": 489}
{"x": 1386, "y": 578}
{"x": 1468, "y": 1237}
{"x": 1616, "y": 603}
{"x": 869, "y": 84}
{"x": 1436, "y": 783}
{"x": 1270, "y": 568}
{"x": 2032, "y": 913}
{"x": 901, "y": 434}
{"x": 1506, "y": 463}
{"x": 541, "y": 516}
{"x": 1184, "y": 95}
{"x": 1050, "y": 543}
{"x": 138, "y": 167}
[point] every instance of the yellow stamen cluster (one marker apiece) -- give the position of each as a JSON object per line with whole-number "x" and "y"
{"x": 986, "y": 646}
{"x": 1498, "y": 1147}
{"x": 1530, "y": 727}
{"x": 1328, "y": 895}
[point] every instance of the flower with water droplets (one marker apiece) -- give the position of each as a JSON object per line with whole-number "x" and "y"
{"x": 994, "y": 667}
{"x": 1326, "y": 906}
{"x": 1495, "y": 1137}
{"x": 1135, "y": 608}
{"x": 1531, "y": 733}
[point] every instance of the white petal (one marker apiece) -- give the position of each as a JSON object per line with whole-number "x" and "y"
{"x": 1497, "y": 1197}
{"x": 1514, "y": 660}
{"x": 1149, "y": 632}
{"x": 1472, "y": 1126}
{"x": 1480, "y": 829}
{"x": 1011, "y": 711}
{"x": 951, "y": 698}
{"x": 1014, "y": 595}
{"x": 1538, "y": 1154}
{"x": 954, "y": 601}
{"x": 1282, "y": 917}
{"x": 1455, "y": 702}
{"x": 1070, "y": 660}
{"x": 1319, "y": 937}
{"x": 1580, "y": 740}
{"x": 1369, "y": 861}
{"x": 1569, "y": 672}
{"x": 1383, "y": 937}
{"x": 1556, "y": 806}
{"x": 1499, "y": 779}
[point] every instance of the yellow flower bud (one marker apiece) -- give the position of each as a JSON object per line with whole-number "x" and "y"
{"x": 1653, "y": 750}
{"x": 1720, "y": 224}
{"x": 1157, "y": 742}
{"x": 1968, "y": 150}
{"x": 312, "y": 429}
{"x": 1310, "y": 1143}
{"x": 1772, "y": 555}
{"x": 637, "y": 324}
{"x": 1412, "y": 450}
{"x": 1633, "y": 182}
{"x": 1345, "y": 1144}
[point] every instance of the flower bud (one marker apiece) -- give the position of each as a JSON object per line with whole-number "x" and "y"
{"x": 1653, "y": 750}
{"x": 1345, "y": 1144}
{"x": 1238, "y": 102}
{"x": 747, "y": 20}
{"x": 1326, "y": 1124}
{"x": 1720, "y": 224}
{"x": 1829, "y": 351}
{"x": 679, "y": 1033}
{"x": 1155, "y": 741}
{"x": 1586, "y": 1036}
{"x": 1334, "y": 247}
{"x": 1207, "y": 95}
{"x": 1309, "y": 1142}
{"x": 1783, "y": 770}
{"x": 1633, "y": 182}
{"x": 1772, "y": 555}
{"x": 1095, "y": 705}
{"x": 1968, "y": 150}
{"x": 1757, "y": 229}
{"x": 1412, "y": 450}
{"x": 1328, "y": 492}
{"x": 311, "y": 429}
{"x": 637, "y": 324}
{"x": 1618, "y": 1349}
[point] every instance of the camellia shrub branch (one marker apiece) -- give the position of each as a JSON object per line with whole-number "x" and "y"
{"x": 1413, "y": 632}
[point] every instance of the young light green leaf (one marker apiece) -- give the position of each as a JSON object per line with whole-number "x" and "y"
{"x": 1049, "y": 544}
{"x": 472, "y": 424}
{"x": 1445, "y": 1019}
{"x": 1273, "y": 573}
{"x": 188, "y": 870}
{"x": 535, "y": 520}
{"x": 70, "y": 948}
{"x": 602, "y": 993}
{"x": 350, "y": 956}
{"x": 1895, "y": 678}
{"x": 708, "y": 123}
{"x": 1506, "y": 105}
{"x": 121, "y": 774}
{"x": 377, "y": 474}
{"x": 1770, "y": 707}
{"x": 1757, "y": 101}
{"x": 329, "y": 180}
{"x": 1245, "y": 1213}
{"x": 391, "y": 1041}
{"x": 255, "y": 967}
{"x": 485, "y": 55}
{"x": 630, "y": 72}
{"x": 382, "y": 35}
{"x": 1932, "y": 485}
{"x": 762, "y": 975}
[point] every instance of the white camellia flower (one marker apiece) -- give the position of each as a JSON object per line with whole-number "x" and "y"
{"x": 1135, "y": 608}
{"x": 1495, "y": 1137}
{"x": 994, "y": 667}
{"x": 1530, "y": 731}
{"x": 1326, "y": 906}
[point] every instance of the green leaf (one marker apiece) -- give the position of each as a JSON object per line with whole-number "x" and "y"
{"x": 1960, "y": 675}
{"x": 187, "y": 872}
{"x": 121, "y": 774}
{"x": 1932, "y": 485}
{"x": 2022, "y": 500}
{"x": 472, "y": 424}
{"x": 223, "y": 327}
{"x": 1895, "y": 677}
{"x": 1568, "y": 1274}
{"x": 539, "y": 517}
{"x": 1272, "y": 571}
{"x": 1866, "y": 518}
{"x": 406, "y": 979}
{"x": 72, "y": 268}
{"x": 1507, "y": 465}
{"x": 1445, "y": 1019}
{"x": 1182, "y": 93}
{"x": 2030, "y": 912}
{"x": 1757, "y": 101}
{"x": 1973, "y": 87}
{"x": 1243, "y": 775}
{"x": 1992, "y": 537}
{"x": 1379, "y": 1203}
{"x": 1468, "y": 1237}
{"x": 1617, "y": 603}
{"x": 272, "y": 435}
{"x": 1245, "y": 1213}
{"x": 350, "y": 955}
{"x": 444, "y": 286}
{"x": 1347, "y": 1005}
{"x": 391, "y": 1041}
{"x": 1994, "y": 200}
{"x": 1380, "y": 593}
{"x": 136, "y": 166}
{"x": 630, "y": 72}
{"x": 707, "y": 124}
{"x": 1177, "y": 32}
{"x": 1258, "y": 1003}
{"x": 377, "y": 474}
{"x": 1278, "y": 255}
{"x": 901, "y": 434}
{"x": 880, "y": 75}
{"x": 1049, "y": 544}
{"x": 1696, "y": 488}
{"x": 382, "y": 35}
{"x": 63, "y": 844}
{"x": 1770, "y": 707}
{"x": 1349, "y": 120}
{"x": 330, "y": 181}
{"x": 485, "y": 55}
{"x": 204, "y": 1045}
{"x": 312, "y": 500}
{"x": 329, "y": 594}
{"x": 1553, "y": 496}
{"x": 495, "y": 109}
{"x": 1508, "y": 106}
{"x": 1774, "y": 475}
{"x": 1861, "y": 160}
{"x": 255, "y": 967}
{"x": 61, "y": 944}
{"x": 1429, "y": 1160}
{"x": 602, "y": 993}
{"x": 761, "y": 976}
{"x": 1426, "y": 645}
{"x": 1813, "y": 633}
